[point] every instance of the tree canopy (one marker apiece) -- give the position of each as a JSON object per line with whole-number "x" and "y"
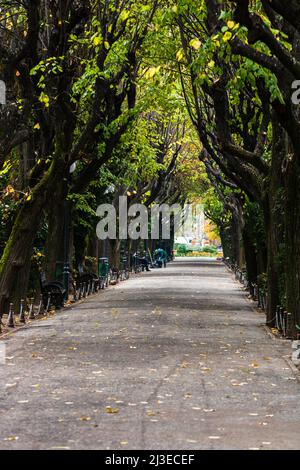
{"x": 159, "y": 100}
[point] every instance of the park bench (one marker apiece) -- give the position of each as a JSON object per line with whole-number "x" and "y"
{"x": 137, "y": 265}
{"x": 86, "y": 283}
{"x": 53, "y": 293}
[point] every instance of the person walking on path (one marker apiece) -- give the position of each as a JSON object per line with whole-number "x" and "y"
{"x": 161, "y": 256}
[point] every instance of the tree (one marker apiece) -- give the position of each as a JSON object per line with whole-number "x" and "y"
{"x": 72, "y": 75}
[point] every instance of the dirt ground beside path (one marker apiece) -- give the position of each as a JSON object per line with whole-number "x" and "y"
{"x": 172, "y": 359}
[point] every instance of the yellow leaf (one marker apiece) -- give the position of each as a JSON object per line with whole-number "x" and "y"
{"x": 230, "y": 24}
{"x": 85, "y": 418}
{"x": 227, "y": 36}
{"x": 37, "y": 126}
{"x": 195, "y": 44}
{"x": 107, "y": 45}
{"x": 211, "y": 64}
{"x": 184, "y": 365}
{"x": 45, "y": 99}
{"x": 124, "y": 15}
{"x": 111, "y": 410}
{"x": 9, "y": 190}
{"x": 180, "y": 55}
{"x": 97, "y": 41}
{"x": 151, "y": 72}
{"x": 151, "y": 413}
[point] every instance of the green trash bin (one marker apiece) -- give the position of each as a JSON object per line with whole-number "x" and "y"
{"x": 103, "y": 271}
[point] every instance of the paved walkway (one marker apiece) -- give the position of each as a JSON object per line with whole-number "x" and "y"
{"x": 173, "y": 359}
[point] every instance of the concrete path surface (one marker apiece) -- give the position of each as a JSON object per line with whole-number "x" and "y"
{"x": 172, "y": 359}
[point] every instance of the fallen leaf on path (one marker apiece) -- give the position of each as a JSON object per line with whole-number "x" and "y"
{"x": 184, "y": 365}
{"x": 11, "y": 438}
{"x": 85, "y": 418}
{"x": 157, "y": 311}
{"x": 111, "y": 410}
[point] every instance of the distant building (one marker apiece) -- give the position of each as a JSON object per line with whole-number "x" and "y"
{"x": 193, "y": 231}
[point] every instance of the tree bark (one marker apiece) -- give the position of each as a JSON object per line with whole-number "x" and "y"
{"x": 292, "y": 238}
{"x": 54, "y": 249}
{"x": 273, "y": 221}
{"x": 16, "y": 259}
{"x": 114, "y": 255}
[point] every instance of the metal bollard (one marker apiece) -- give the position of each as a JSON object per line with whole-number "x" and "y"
{"x": 10, "y": 320}
{"x": 277, "y": 321}
{"x": 75, "y": 294}
{"x": 258, "y": 298}
{"x": 289, "y": 325}
{"x": 284, "y": 323}
{"x": 31, "y": 310}
{"x": 22, "y": 318}
{"x": 48, "y": 303}
{"x": 41, "y": 306}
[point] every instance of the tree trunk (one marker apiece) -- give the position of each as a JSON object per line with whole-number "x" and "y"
{"x": 250, "y": 258}
{"x": 16, "y": 259}
{"x": 292, "y": 238}
{"x": 54, "y": 246}
{"x": 273, "y": 221}
{"x": 237, "y": 226}
{"x": 114, "y": 255}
